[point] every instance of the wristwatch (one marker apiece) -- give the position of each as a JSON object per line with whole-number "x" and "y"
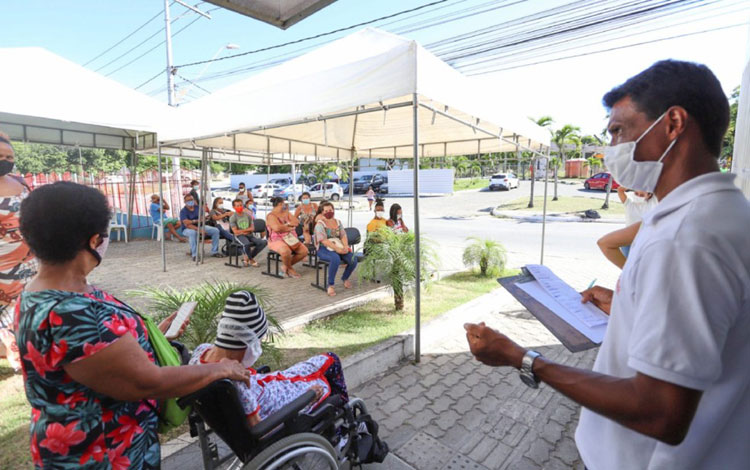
{"x": 526, "y": 372}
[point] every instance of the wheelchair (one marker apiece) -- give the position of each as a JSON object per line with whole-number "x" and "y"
{"x": 331, "y": 436}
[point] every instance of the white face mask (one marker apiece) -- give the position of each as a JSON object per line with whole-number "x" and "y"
{"x": 252, "y": 353}
{"x": 633, "y": 174}
{"x": 637, "y": 199}
{"x": 380, "y": 214}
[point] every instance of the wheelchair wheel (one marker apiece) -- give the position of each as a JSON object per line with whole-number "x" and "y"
{"x": 304, "y": 451}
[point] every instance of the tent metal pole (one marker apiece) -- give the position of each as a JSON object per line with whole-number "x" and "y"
{"x": 417, "y": 254}
{"x": 131, "y": 195}
{"x": 161, "y": 212}
{"x": 544, "y": 208}
{"x": 351, "y": 189}
{"x": 268, "y": 173}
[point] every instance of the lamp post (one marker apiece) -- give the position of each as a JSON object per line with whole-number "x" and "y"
{"x": 230, "y": 46}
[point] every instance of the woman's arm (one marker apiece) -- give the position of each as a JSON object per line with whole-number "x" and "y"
{"x": 275, "y": 224}
{"x": 611, "y": 243}
{"x": 123, "y": 371}
{"x": 165, "y": 205}
{"x": 621, "y": 194}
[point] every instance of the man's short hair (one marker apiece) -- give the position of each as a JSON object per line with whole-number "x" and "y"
{"x": 186, "y": 196}
{"x": 194, "y": 182}
{"x": 676, "y": 83}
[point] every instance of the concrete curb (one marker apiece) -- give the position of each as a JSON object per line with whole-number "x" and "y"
{"x": 536, "y": 217}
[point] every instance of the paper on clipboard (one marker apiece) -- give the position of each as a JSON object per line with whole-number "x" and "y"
{"x": 586, "y": 323}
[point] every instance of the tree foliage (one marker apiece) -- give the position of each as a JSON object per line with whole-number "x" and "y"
{"x": 486, "y": 253}
{"x": 391, "y": 258}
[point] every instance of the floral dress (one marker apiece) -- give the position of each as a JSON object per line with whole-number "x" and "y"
{"x": 269, "y": 393}
{"x": 72, "y": 426}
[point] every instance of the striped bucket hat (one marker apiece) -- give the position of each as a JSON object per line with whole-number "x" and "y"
{"x": 242, "y": 322}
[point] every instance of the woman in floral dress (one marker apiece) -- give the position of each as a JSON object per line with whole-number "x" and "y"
{"x": 89, "y": 370}
{"x": 16, "y": 262}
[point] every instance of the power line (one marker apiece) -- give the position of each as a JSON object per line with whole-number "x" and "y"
{"x": 611, "y": 49}
{"x": 126, "y": 37}
{"x": 347, "y": 28}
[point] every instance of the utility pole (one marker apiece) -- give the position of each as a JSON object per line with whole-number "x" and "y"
{"x": 170, "y": 67}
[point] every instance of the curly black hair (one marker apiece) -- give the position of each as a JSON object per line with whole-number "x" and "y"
{"x": 57, "y": 220}
{"x": 676, "y": 83}
{"x": 379, "y": 202}
{"x": 276, "y": 200}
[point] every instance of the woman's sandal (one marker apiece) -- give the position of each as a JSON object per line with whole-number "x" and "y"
{"x": 254, "y": 263}
{"x": 245, "y": 263}
{"x": 347, "y": 284}
{"x": 331, "y": 291}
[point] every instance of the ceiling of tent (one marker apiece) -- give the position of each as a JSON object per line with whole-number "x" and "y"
{"x": 279, "y": 13}
{"x": 308, "y": 107}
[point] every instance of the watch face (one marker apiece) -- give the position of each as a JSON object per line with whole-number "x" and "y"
{"x": 529, "y": 381}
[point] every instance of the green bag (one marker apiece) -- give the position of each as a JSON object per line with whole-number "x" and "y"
{"x": 170, "y": 413}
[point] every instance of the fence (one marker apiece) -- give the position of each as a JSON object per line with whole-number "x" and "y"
{"x": 116, "y": 187}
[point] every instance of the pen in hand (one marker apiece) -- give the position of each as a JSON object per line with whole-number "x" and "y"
{"x": 592, "y": 284}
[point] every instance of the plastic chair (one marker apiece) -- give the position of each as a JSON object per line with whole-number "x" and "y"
{"x": 122, "y": 225}
{"x": 157, "y": 231}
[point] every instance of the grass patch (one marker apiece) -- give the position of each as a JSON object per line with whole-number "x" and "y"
{"x": 362, "y": 327}
{"x": 469, "y": 183}
{"x": 567, "y": 204}
{"x": 15, "y": 414}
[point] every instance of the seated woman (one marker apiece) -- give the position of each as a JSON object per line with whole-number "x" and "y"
{"x": 241, "y": 328}
{"x": 332, "y": 246}
{"x": 219, "y": 218}
{"x": 170, "y": 224}
{"x": 396, "y": 222}
{"x": 379, "y": 220}
{"x": 242, "y": 227}
{"x": 305, "y": 213}
{"x": 282, "y": 238}
{"x": 612, "y": 244}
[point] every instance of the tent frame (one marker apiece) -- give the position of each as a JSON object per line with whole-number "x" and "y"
{"x": 272, "y": 159}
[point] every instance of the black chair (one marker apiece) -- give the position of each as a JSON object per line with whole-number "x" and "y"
{"x": 259, "y": 226}
{"x": 233, "y": 249}
{"x": 353, "y": 237}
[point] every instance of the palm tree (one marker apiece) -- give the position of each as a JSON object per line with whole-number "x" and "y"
{"x": 544, "y": 121}
{"x": 593, "y": 163}
{"x": 391, "y": 258}
{"x": 211, "y": 298}
{"x": 567, "y": 134}
{"x": 488, "y": 254}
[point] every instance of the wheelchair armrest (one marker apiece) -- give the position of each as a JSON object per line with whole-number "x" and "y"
{"x": 188, "y": 399}
{"x": 289, "y": 412}
{"x": 182, "y": 351}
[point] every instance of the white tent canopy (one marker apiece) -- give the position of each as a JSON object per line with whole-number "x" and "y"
{"x": 47, "y": 99}
{"x": 354, "y": 95}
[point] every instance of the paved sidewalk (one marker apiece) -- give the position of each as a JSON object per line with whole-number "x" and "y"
{"x": 451, "y": 412}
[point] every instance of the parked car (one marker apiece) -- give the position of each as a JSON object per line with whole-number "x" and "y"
{"x": 599, "y": 181}
{"x": 264, "y": 190}
{"x": 361, "y": 183}
{"x": 290, "y": 191}
{"x": 332, "y": 191}
{"x": 281, "y": 181}
{"x": 505, "y": 181}
{"x": 383, "y": 189}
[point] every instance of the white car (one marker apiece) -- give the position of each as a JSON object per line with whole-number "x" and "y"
{"x": 290, "y": 191}
{"x": 503, "y": 181}
{"x": 332, "y": 191}
{"x": 264, "y": 190}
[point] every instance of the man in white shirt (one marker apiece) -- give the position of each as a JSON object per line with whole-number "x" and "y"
{"x": 670, "y": 388}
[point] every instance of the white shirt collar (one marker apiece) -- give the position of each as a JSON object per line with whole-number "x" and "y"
{"x": 690, "y": 190}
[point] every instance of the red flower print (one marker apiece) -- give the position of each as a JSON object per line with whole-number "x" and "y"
{"x": 57, "y": 353}
{"x": 124, "y": 433}
{"x": 120, "y": 326}
{"x": 146, "y": 405}
{"x": 54, "y": 320}
{"x": 91, "y": 349}
{"x": 107, "y": 415}
{"x": 37, "y": 360}
{"x": 35, "y": 414}
{"x": 60, "y": 438}
{"x": 117, "y": 460}
{"x": 95, "y": 451}
{"x": 35, "y": 456}
{"x": 71, "y": 400}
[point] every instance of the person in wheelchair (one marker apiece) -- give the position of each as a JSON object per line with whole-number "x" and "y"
{"x": 241, "y": 328}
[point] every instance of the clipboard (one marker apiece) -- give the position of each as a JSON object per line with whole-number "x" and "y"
{"x": 571, "y": 338}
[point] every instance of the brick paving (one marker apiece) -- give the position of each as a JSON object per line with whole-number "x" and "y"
{"x": 451, "y": 412}
{"x": 137, "y": 265}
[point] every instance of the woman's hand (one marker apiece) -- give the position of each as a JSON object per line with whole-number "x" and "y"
{"x": 233, "y": 370}
{"x": 167, "y": 322}
{"x": 318, "y": 391}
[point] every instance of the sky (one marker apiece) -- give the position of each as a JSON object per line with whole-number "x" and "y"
{"x": 568, "y": 89}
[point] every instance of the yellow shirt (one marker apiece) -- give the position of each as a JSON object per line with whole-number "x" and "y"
{"x": 375, "y": 224}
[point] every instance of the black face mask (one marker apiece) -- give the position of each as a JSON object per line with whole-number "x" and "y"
{"x": 5, "y": 167}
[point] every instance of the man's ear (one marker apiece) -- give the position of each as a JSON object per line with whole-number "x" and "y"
{"x": 677, "y": 118}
